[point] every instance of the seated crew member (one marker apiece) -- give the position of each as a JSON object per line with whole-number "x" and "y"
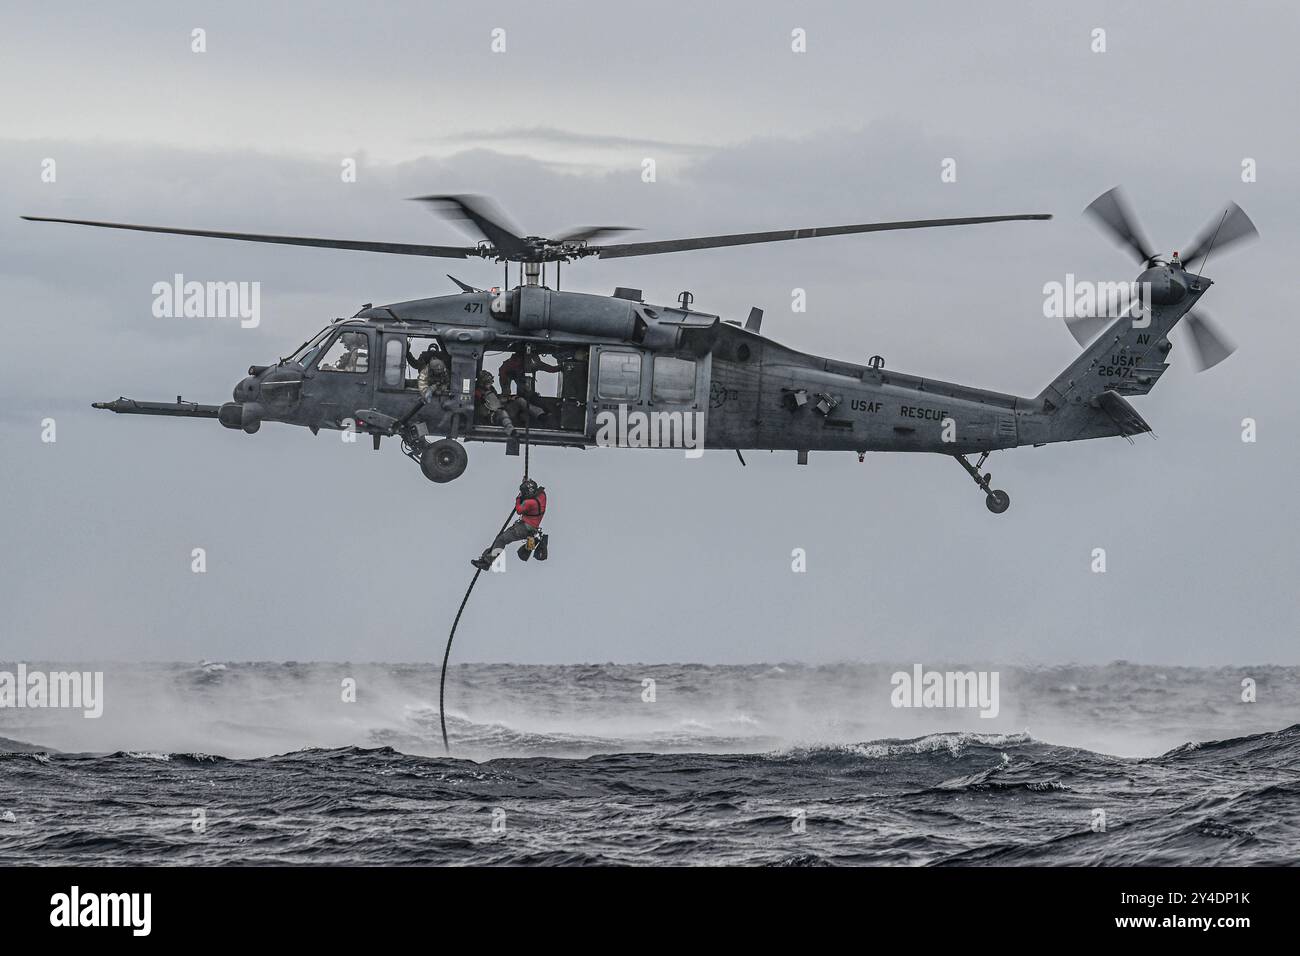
{"x": 521, "y": 409}
{"x": 488, "y": 405}
{"x": 516, "y": 371}
{"x": 434, "y": 370}
{"x": 530, "y": 505}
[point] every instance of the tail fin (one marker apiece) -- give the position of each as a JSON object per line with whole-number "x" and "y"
{"x": 1128, "y": 358}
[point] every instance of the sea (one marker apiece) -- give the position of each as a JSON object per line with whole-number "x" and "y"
{"x": 778, "y": 764}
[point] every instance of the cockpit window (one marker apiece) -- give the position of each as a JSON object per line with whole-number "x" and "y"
{"x": 350, "y": 352}
{"x": 307, "y": 351}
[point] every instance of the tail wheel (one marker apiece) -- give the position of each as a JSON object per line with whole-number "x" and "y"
{"x": 444, "y": 460}
{"x": 997, "y": 502}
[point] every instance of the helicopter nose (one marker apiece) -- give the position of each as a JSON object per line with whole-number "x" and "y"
{"x": 246, "y": 390}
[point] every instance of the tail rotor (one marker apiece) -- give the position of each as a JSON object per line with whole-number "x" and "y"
{"x": 1207, "y": 342}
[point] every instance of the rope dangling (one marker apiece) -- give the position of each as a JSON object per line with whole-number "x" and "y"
{"x": 528, "y": 411}
{"x": 442, "y": 681}
{"x": 446, "y": 654}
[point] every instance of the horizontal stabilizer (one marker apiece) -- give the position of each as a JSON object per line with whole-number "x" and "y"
{"x": 1124, "y": 415}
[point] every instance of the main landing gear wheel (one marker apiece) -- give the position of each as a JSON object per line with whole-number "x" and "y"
{"x": 444, "y": 460}
{"x": 997, "y": 502}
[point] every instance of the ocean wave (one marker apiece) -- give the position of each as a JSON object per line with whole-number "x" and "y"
{"x": 35, "y": 756}
{"x": 955, "y": 744}
{"x": 1286, "y": 738}
{"x": 143, "y": 755}
{"x": 954, "y": 798}
{"x": 10, "y": 746}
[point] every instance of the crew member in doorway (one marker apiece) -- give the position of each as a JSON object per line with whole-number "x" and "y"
{"x": 530, "y": 506}
{"x": 488, "y": 405}
{"x": 515, "y": 370}
{"x": 515, "y": 376}
{"x": 433, "y": 368}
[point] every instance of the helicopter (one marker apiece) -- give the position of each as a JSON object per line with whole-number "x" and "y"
{"x": 596, "y": 370}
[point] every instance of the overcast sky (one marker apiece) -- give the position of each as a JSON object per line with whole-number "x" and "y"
{"x": 318, "y": 549}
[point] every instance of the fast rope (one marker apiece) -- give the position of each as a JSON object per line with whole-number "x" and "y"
{"x": 528, "y": 409}
{"x": 442, "y": 682}
{"x": 446, "y": 654}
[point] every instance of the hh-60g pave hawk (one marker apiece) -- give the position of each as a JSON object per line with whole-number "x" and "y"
{"x": 617, "y": 355}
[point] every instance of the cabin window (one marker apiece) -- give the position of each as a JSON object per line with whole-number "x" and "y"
{"x": 674, "y": 380}
{"x": 620, "y": 376}
{"x": 394, "y": 362}
{"x": 350, "y": 352}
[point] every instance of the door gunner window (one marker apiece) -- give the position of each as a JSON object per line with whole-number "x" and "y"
{"x": 620, "y": 376}
{"x": 349, "y": 353}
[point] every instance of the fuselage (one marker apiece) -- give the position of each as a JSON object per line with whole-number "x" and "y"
{"x": 673, "y": 368}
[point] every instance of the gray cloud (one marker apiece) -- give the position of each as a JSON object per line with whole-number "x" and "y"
{"x": 552, "y": 135}
{"x": 323, "y": 550}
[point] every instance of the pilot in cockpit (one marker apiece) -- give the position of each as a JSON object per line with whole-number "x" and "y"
{"x": 351, "y": 358}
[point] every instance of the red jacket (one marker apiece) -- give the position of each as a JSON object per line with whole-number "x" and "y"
{"x": 510, "y": 369}
{"x": 531, "y": 509}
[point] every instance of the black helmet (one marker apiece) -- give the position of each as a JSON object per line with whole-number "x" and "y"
{"x": 527, "y": 488}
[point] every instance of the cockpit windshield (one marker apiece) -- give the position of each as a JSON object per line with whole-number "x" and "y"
{"x": 306, "y": 354}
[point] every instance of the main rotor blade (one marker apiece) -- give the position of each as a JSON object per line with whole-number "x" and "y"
{"x": 1233, "y": 226}
{"x": 747, "y": 238}
{"x": 483, "y": 215}
{"x": 587, "y": 233}
{"x": 1209, "y": 345}
{"x": 1113, "y": 212}
{"x": 392, "y": 248}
